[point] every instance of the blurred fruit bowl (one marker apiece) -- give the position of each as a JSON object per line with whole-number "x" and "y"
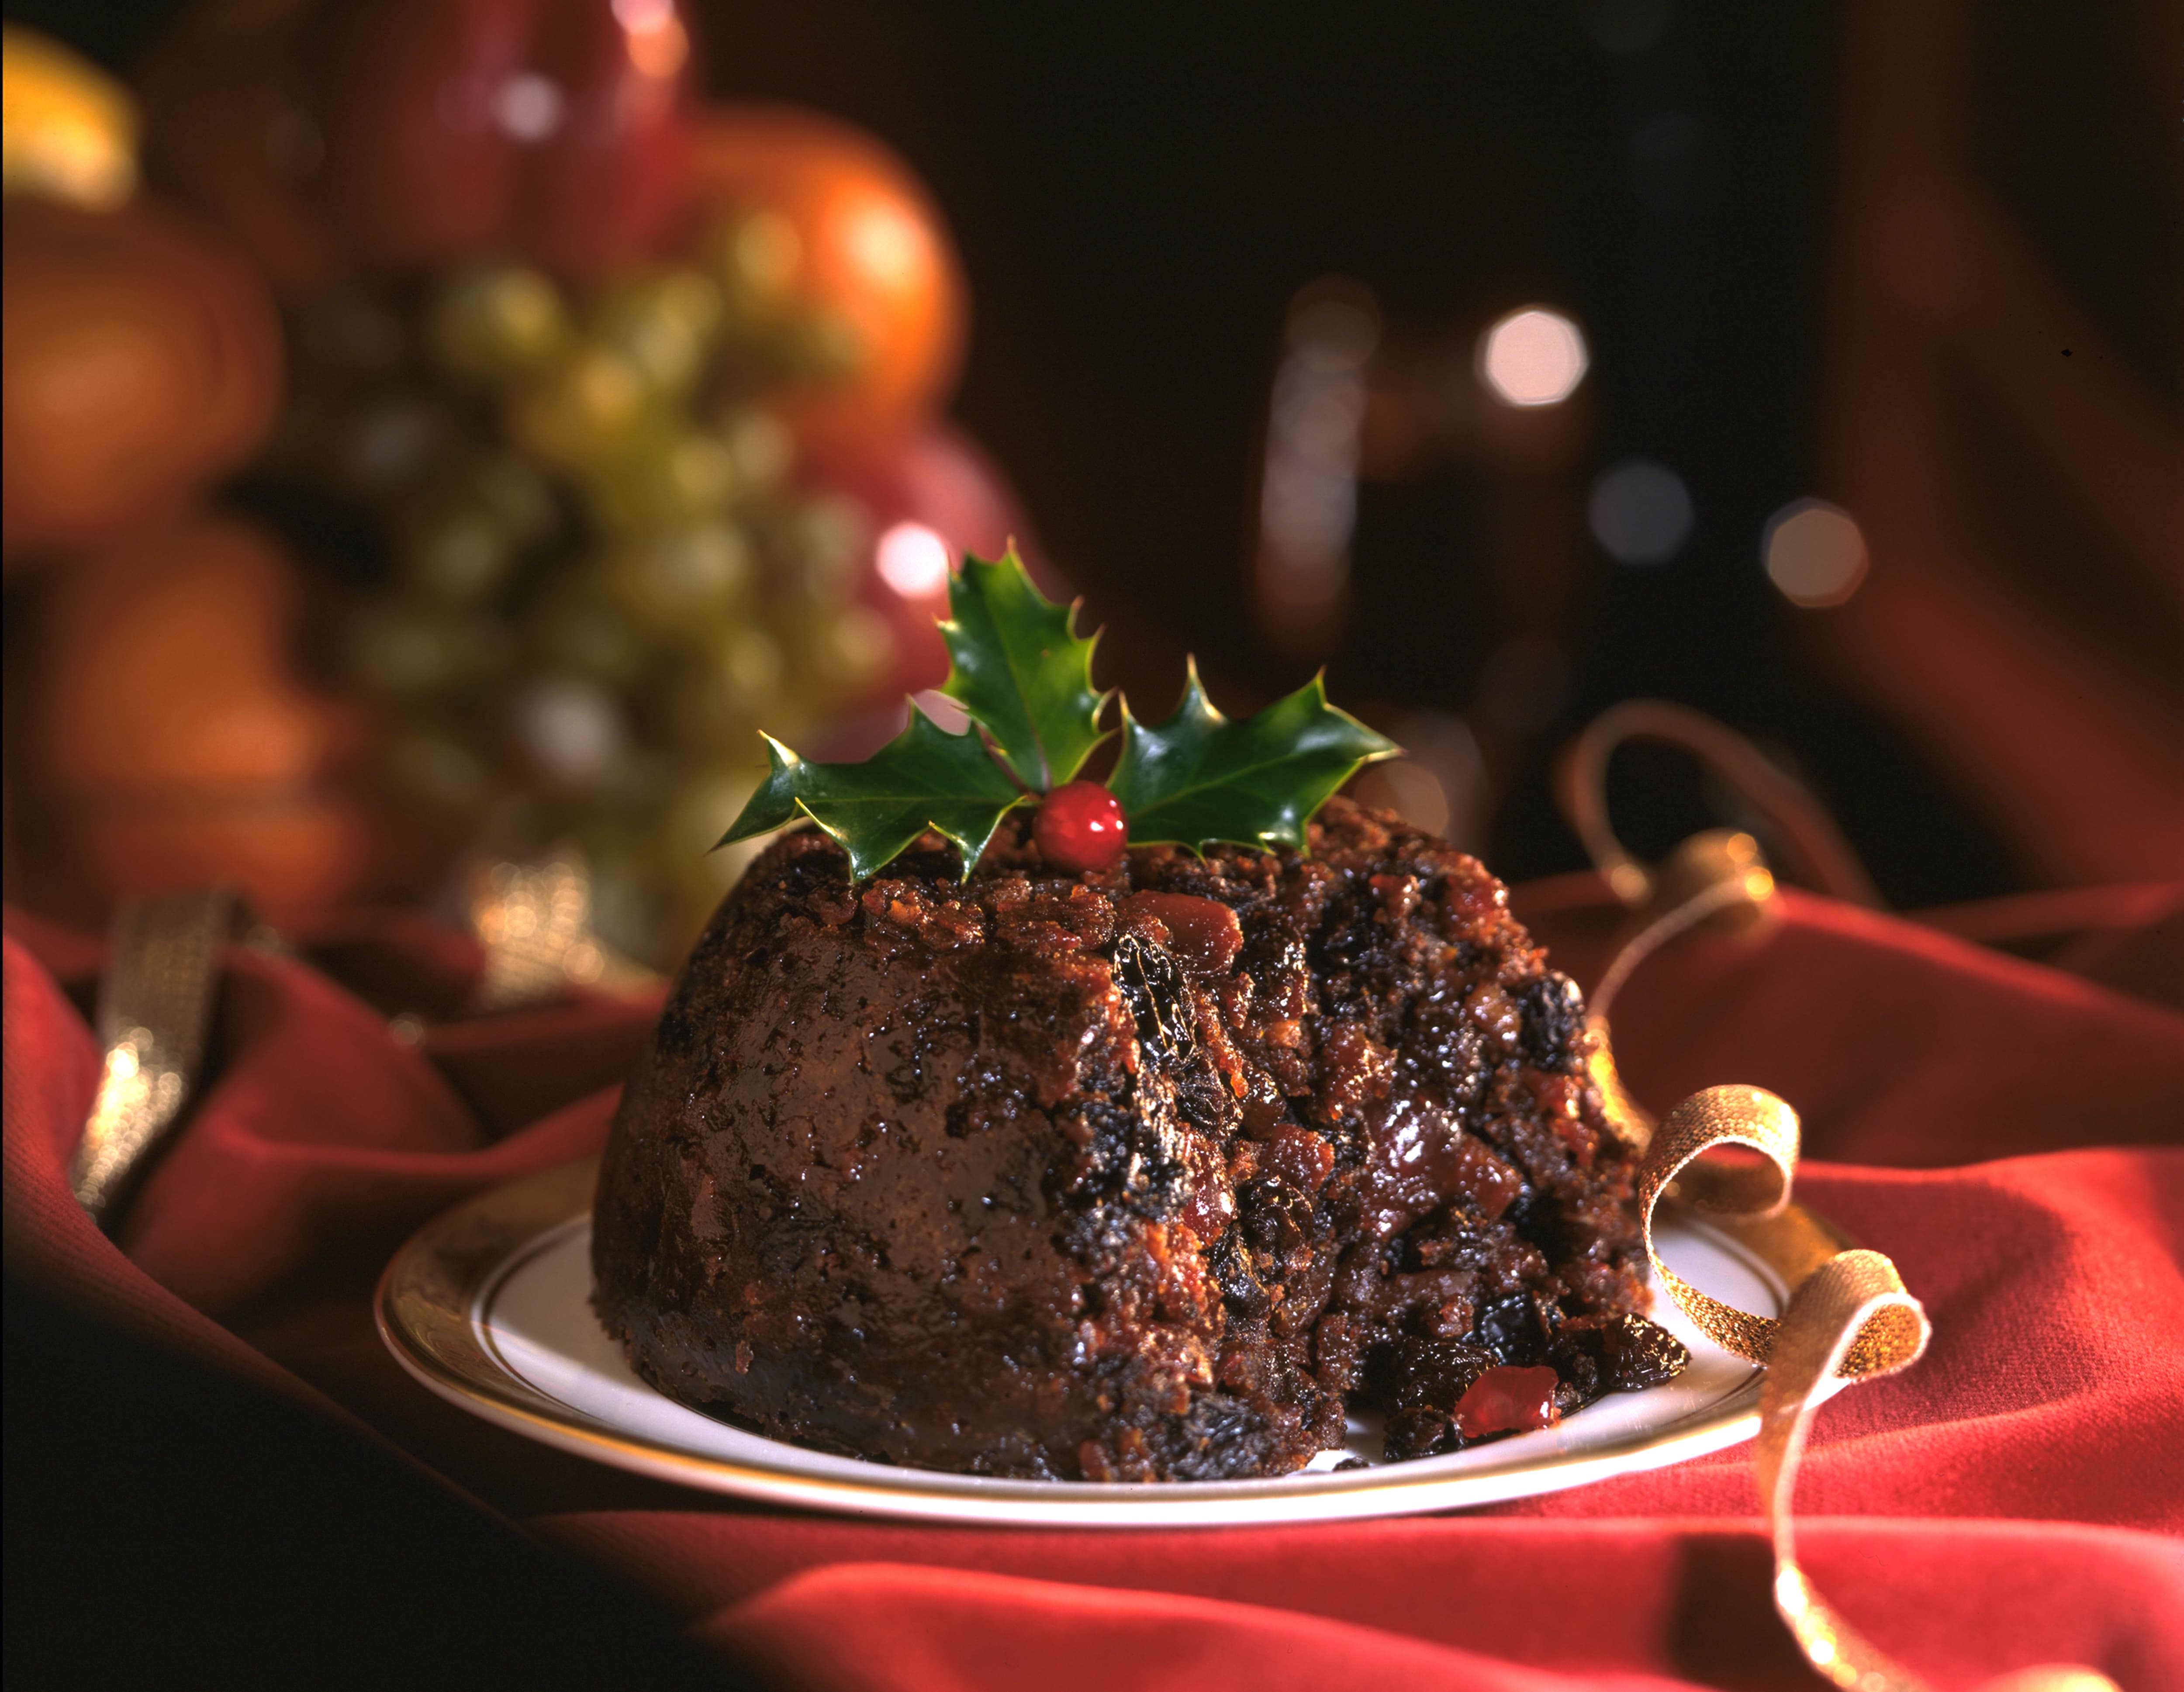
{"x": 610, "y": 437}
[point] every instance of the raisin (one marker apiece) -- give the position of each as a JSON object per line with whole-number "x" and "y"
{"x": 1202, "y": 1099}
{"x": 1513, "y": 1327}
{"x": 1420, "y": 1372}
{"x": 1554, "y": 1013}
{"x": 1230, "y": 1265}
{"x": 1152, "y": 987}
{"x": 1576, "y": 1358}
{"x": 1568, "y": 1399}
{"x": 1644, "y": 1354}
{"x": 1225, "y": 1439}
{"x": 1616, "y": 1354}
{"x": 1277, "y": 1217}
{"x": 1416, "y": 1434}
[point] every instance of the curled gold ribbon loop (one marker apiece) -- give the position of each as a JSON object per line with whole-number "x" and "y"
{"x": 1852, "y": 1300}
{"x": 1888, "y": 1339}
{"x": 1742, "y": 1116}
{"x": 1849, "y": 1319}
{"x": 1755, "y": 1120}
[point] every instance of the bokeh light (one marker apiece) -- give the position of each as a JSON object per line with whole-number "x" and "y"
{"x": 1308, "y": 490}
{"x": 570, "y": 731}
{"x": 1533, "y": 357}
{"x": 530, "y": 106}
{"x": 1814, "y": 552}
{"x": 658, "y": 44}
{"x": 1640, "y": 512}
{"x": 913, "y": 560}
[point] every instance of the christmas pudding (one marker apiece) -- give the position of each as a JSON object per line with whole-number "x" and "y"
{"x": 1088, "y": 1163}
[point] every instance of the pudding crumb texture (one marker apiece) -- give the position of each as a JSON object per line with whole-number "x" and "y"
{"x": 1143, "y": 1173}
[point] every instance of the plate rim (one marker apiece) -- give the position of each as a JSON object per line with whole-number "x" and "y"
{"x": 427, "y": 1304}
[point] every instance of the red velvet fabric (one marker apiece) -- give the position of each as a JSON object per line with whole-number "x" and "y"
{"x": 2008, "y": 1135}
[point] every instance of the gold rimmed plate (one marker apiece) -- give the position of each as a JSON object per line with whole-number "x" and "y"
{"x": 489, "y": 1306}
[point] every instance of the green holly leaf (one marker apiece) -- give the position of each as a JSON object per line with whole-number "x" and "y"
{"x": 1020, "y": 673}
{"x": 1199, "y": 778}
{"x": 774, "y": 804}
{"x": 924, "y": 778}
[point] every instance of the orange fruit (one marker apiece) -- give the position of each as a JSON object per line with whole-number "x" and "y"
{"x": 142, "y": 361}
{"x": 862, "y": 245}
{"x": 169, "y": 736}
{"x": 67, "y": 129}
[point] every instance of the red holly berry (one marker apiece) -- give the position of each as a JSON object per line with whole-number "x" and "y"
{"x": 1080, "y": 827}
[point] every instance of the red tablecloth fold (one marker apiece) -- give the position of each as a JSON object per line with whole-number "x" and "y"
{"x": 2007, "y": 1134}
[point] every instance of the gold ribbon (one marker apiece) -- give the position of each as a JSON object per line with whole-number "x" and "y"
{"x": 534, "y": 921}
{"x": 1849, "y": 1319}
{"x": 156, "y": 996}
{"x": 1896, "y": 1335}
{"x": 155, "y": 1006}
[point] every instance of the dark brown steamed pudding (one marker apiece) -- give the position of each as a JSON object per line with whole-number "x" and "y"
{"x": 1146, "y": 1174}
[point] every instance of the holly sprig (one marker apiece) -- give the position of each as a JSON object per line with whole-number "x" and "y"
{"x": 1019, "y": 671}
{"x": 1024, "y": 677}
{"x": 1199, "y": 778}
{"x": 924, "y": 778}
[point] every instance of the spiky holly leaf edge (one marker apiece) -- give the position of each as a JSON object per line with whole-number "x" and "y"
{"x": 1200, "y": 778}
{"x": 1019, "y": 670}
{"x": 1301, "y": 746}
{"x": 948, "y": 784}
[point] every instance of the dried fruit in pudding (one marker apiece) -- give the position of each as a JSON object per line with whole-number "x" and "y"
{"x": 1144, "y": 1174}
{"x": 970, "y": 1141}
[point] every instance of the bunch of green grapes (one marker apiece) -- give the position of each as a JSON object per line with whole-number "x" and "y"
{"x": 599, "y": 579}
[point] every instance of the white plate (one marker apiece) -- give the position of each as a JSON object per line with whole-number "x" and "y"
{"x": 497, "y": 1318}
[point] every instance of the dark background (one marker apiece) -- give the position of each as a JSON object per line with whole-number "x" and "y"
{"x": 1139, "y": 191}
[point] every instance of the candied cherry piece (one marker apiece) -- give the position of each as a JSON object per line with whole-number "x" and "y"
{"x": 1080, "y": 827}
{"x": 1508, "y": 1399}
{"x": 1204, "y": 933}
